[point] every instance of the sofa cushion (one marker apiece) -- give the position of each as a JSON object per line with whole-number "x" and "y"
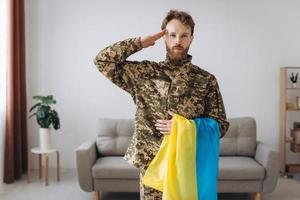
{"x": 240, "y": 139}
{"x": 230, "y": 168}
{"x": 114, "y": 136}
{"x": 114, "y": 167}
{"x": 240, "y": 168}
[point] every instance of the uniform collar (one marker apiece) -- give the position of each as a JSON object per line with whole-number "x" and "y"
{"x": 173, "y": 63}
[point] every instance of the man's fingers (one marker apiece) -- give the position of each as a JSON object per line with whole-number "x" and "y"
{"x": 163, "y": 125}
{"x": 171, "y": 113}
{"x": 163, "y": 129}
{"x": 150, "y": 40}
{"x": 159, "y": 34}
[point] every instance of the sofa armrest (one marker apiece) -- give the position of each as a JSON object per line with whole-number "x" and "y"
{"x": 269, "y": 159}
{"x": 86, "y": 156}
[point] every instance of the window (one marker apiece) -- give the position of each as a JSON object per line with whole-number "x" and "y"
{"x": 3, "y": 67}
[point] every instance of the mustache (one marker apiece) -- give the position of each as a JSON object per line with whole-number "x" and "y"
{"x": 178, "y": 46}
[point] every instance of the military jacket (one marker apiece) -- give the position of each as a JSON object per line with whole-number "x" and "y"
{"x": 156, "y": 87}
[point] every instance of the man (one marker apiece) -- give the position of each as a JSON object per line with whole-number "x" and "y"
{"x": 160, "y": 89}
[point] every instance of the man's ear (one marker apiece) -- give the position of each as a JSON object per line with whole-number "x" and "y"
{"x": 164, "y": 36}
{"x": 192, "y": 37}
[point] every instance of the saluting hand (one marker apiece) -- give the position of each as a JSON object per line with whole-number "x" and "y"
{"x": 150, "y": 40}
{"x": 164, "y": 126}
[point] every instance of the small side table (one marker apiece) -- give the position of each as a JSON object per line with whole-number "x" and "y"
{"x": 42, "y": 154}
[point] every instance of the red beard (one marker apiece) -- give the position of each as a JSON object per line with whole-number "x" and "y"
{"x": 175, "y": 55}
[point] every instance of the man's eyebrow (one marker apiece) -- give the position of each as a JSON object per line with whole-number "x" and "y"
{"x": 182, "y": 33}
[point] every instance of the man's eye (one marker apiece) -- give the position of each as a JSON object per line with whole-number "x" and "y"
{"x": 172, "y": 35}
{"x": 184, "y": 36}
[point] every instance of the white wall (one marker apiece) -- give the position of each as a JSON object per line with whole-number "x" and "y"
{"x": 244, "y": 43}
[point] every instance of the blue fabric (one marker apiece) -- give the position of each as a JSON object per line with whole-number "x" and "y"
{"x": 187, "y": 164}
{"x": 207, "y": 158}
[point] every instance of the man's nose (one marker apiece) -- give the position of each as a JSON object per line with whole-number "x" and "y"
{"x": 178, "y": 40}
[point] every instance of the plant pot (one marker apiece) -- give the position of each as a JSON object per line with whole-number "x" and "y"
{"x": 294, "y": 85}
{"x": 45, "y": 139}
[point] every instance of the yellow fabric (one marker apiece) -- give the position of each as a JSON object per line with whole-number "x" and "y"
{"x": 173, "y": 169}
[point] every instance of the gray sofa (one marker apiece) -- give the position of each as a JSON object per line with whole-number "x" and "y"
{"x": 245, "y": 166}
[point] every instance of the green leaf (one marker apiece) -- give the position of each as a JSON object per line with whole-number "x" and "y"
{"x": 55, "y": 120}
{"x": 32, "y": 115}
{"x": 33, "y": 107}
{"x": 45, "y": 116}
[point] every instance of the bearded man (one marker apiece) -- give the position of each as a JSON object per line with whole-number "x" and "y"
{"x": 160, "y": 89}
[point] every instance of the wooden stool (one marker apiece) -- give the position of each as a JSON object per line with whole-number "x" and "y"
{"x": 41, "y": 154}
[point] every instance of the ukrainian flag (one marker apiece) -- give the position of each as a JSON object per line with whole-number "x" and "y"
{"x": 187, "y": 163}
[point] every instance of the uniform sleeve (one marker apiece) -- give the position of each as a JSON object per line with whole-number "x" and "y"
{"x": 111, "y": 62}
{"x": 214, "y": 106}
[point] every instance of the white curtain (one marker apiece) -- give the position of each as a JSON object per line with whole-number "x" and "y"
{"x": 3, "y": 66}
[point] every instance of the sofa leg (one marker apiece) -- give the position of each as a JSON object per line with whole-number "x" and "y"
{"x": 96, "y": 195}
{"x": 257, "y": 196}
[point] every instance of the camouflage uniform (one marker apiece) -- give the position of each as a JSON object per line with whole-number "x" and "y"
{"x": 156, "y": 87}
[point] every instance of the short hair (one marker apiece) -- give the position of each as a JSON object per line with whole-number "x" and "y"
{"x": 182, "y": 16}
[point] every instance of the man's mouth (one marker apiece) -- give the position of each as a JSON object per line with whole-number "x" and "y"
{"x": 178, "y": 48}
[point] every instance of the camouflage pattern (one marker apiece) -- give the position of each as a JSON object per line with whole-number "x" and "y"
{"x": 156, "y": 87}
{"x": 148, "y": 193}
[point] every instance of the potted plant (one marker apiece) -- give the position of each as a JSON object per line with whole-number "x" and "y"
{"x": 45, "y": 116}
